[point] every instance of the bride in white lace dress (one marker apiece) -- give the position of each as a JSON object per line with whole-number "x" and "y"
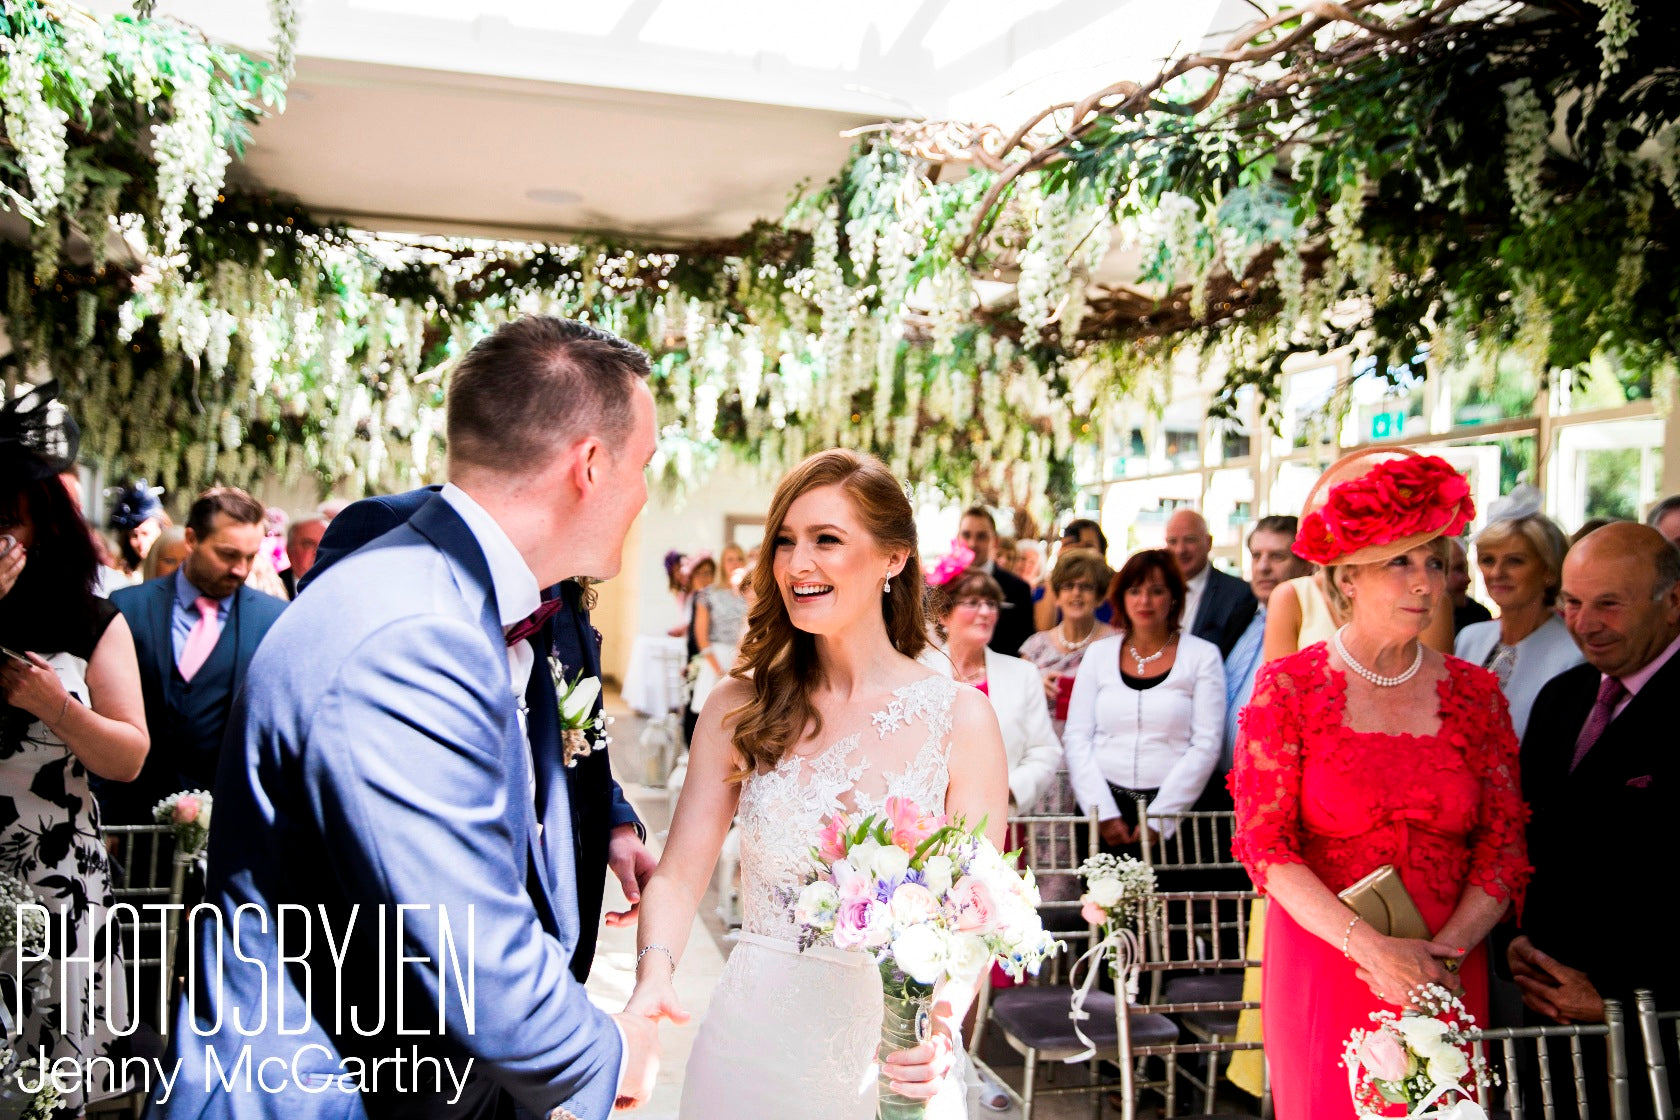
{"x": 833, "y": 713}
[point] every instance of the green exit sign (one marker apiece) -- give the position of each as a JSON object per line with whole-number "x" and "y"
{"x": 1388, "y": 425}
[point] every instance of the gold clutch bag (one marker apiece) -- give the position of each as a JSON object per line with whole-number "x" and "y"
{"x": 1381, "y": 899}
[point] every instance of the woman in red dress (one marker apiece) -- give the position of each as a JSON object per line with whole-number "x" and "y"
{"x": 1366, "y": 750}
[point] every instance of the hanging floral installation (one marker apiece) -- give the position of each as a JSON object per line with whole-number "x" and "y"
{"x": 1398, "y": 178}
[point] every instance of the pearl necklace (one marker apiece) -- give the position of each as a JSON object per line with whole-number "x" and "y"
{"x": 1376, "y": 678}
{"x": 1072, "y": 646}
{"x": 1143, "y": 661}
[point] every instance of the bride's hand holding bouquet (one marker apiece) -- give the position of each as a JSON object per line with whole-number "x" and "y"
{"x": 936, "y": 905}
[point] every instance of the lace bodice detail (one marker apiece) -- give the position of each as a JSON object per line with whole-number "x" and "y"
{"x": 902, "y": 753}
{"x": 1446, "y": 809}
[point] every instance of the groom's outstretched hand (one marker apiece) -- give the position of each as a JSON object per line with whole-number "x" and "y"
{"x": 641, "y": 1060}
{"x": 630, "y": 860}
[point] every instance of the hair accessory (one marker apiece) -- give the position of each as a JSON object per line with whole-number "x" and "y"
{"x": 690, "y": 563}
{"x": 673, "y": 560}
{"x": 951, "y": 565}
{"x": 136, "y": 503}
{"x": 1365, "y": 512}
{"x": 1523, "y": 501}
{"x": 37, "y": 426}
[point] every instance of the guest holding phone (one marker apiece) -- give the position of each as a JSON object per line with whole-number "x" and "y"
{"x": 71, "y": 687}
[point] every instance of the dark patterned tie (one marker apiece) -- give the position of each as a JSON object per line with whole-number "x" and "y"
{"x": 1610, "y": 693}
{"x": 533, "y": 622}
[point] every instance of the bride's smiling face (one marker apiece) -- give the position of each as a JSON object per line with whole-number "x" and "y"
{"x": 828, "y": 567}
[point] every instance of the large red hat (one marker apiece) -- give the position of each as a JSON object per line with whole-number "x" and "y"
{"x": 1377, "y": 503}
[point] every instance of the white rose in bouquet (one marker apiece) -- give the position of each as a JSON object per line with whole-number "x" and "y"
{"x": 817, "y": 904}
{"x": 969, "y": 957}
{"x": 921, "y": 952}
{"x": 891, "y": 862}
{"x": 1427, "y": 1037}
{"x": 1106, "y": 892}
{"x": 936, "y": 874}
{"x": 1448, "y": 1065}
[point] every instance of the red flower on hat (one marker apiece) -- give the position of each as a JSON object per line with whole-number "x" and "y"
{"x": 1393, "y": 500}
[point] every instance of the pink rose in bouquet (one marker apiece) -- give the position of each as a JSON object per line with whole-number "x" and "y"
{"x": 913, "y": 904}
{"x": 861, "y": 923}
{"x": 186, "y": 809}
{"x": 1385, "y": 1056}
{"x": 972, "y": 903}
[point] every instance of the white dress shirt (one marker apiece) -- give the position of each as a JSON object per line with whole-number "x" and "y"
{"x": 1016, "y": 689}
{"x": 1193, "y": 588}
{"x": 517, "y": 595}
{"x": 1165, "y": 737}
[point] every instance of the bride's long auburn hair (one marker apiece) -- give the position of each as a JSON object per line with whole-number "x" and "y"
{"x": 778, "y": 659}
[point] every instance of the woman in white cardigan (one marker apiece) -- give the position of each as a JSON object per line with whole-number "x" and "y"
{"x": 1148, "y": 705}
{"x": 967, "y": 613}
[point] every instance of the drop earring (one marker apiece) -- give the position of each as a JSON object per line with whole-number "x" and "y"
{"x": 886, "y": 587}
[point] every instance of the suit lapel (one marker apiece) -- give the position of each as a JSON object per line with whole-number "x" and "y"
{"x": 438, "y": 522}
{"x": 162, "y": 608}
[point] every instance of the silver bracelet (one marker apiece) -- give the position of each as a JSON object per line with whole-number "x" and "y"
{"x": 1348, "y": 933}
{"x": 62, "y": 712}
{"x": 646, "y": 949}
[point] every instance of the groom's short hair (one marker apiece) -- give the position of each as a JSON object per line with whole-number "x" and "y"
{"x": 536, "y": 385}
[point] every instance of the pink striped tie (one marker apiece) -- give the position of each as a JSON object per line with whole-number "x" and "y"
{"x": 201, "y": 640}
{"x": 1610, "y": 693}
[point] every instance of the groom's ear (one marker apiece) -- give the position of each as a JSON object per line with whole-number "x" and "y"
{"x": 587, "y": 464}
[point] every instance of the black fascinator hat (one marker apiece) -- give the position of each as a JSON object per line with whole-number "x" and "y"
{"x": 37, "y": 434}
{"x": 134, "y": 504}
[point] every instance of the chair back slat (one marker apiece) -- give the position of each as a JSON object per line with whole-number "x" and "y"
{"x": 1656, "y": 1063}
{"x": 1194, "y": 840}
{"x": 1611, "y": 1033}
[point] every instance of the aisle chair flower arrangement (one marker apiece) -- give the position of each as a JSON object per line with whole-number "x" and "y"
{"x": 1415, "y": 1060}
{"x": 188, "y": 815}
{"x": 930, "y": 899}
{"x": 1118, "y": 890}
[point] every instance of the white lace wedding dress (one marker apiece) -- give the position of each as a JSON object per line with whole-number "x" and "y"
{"x": 791, "y": 1033}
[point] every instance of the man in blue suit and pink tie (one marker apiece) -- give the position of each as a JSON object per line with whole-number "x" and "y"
{"x": 393, "y": 864}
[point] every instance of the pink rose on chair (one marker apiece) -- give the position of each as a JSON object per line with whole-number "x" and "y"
{"x": 976, "y": 910}
{"x": 911, "y": 824}
{"x": 1093, "y": 914}
{"x": 1384, "y": 1056}
{"x": 186, "y": 810}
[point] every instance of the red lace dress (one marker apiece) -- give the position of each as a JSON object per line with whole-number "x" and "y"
{"x": 1445, "y": 809}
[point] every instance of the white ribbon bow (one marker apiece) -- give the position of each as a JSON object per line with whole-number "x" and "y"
{"x": 1128, "y": 954}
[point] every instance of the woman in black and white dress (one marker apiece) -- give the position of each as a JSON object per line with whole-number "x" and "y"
{"x": 72, "y": 706}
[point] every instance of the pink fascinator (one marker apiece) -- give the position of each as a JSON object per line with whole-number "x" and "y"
{"x": 951, "y": 565}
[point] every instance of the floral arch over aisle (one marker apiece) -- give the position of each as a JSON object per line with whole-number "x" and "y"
{"x": 1401, "y": 178}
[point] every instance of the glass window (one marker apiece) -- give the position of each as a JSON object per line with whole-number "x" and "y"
{"x": 1306, "y": 419}
{"x": 1495, "y": 466}
{"x": 1229, "y": 506}
{"x": 1611, "y": 469}
{"x": 1483, "y": 391}
{"x": 1386, "y": 408}
{"x": 1605, "y": 383}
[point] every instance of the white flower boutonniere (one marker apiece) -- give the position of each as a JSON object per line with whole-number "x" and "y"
{"x": 582, "y": 731}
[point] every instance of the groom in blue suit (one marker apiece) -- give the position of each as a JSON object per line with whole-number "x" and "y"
{"x": 394, "y": 862}
{"x": 606, "y": 833}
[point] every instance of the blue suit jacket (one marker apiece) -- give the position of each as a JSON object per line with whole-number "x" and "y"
{"x": 377, "y": 760}
{"x": 598, "y": 803}
{"x": 170, "y": 765}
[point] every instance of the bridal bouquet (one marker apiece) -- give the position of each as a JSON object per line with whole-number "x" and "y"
{"x": 930, "y": 899}
{"x": 1414, "y": 1060}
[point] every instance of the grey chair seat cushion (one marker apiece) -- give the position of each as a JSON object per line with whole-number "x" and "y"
{"x": 1037, "y": 1017}
{"x": 1218, "y": 987}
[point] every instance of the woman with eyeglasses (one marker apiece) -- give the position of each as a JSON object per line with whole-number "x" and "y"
{"x": 966, "y": 613}
{"x": 1078, "y": 583}
{"x": 1148, "y": 706}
